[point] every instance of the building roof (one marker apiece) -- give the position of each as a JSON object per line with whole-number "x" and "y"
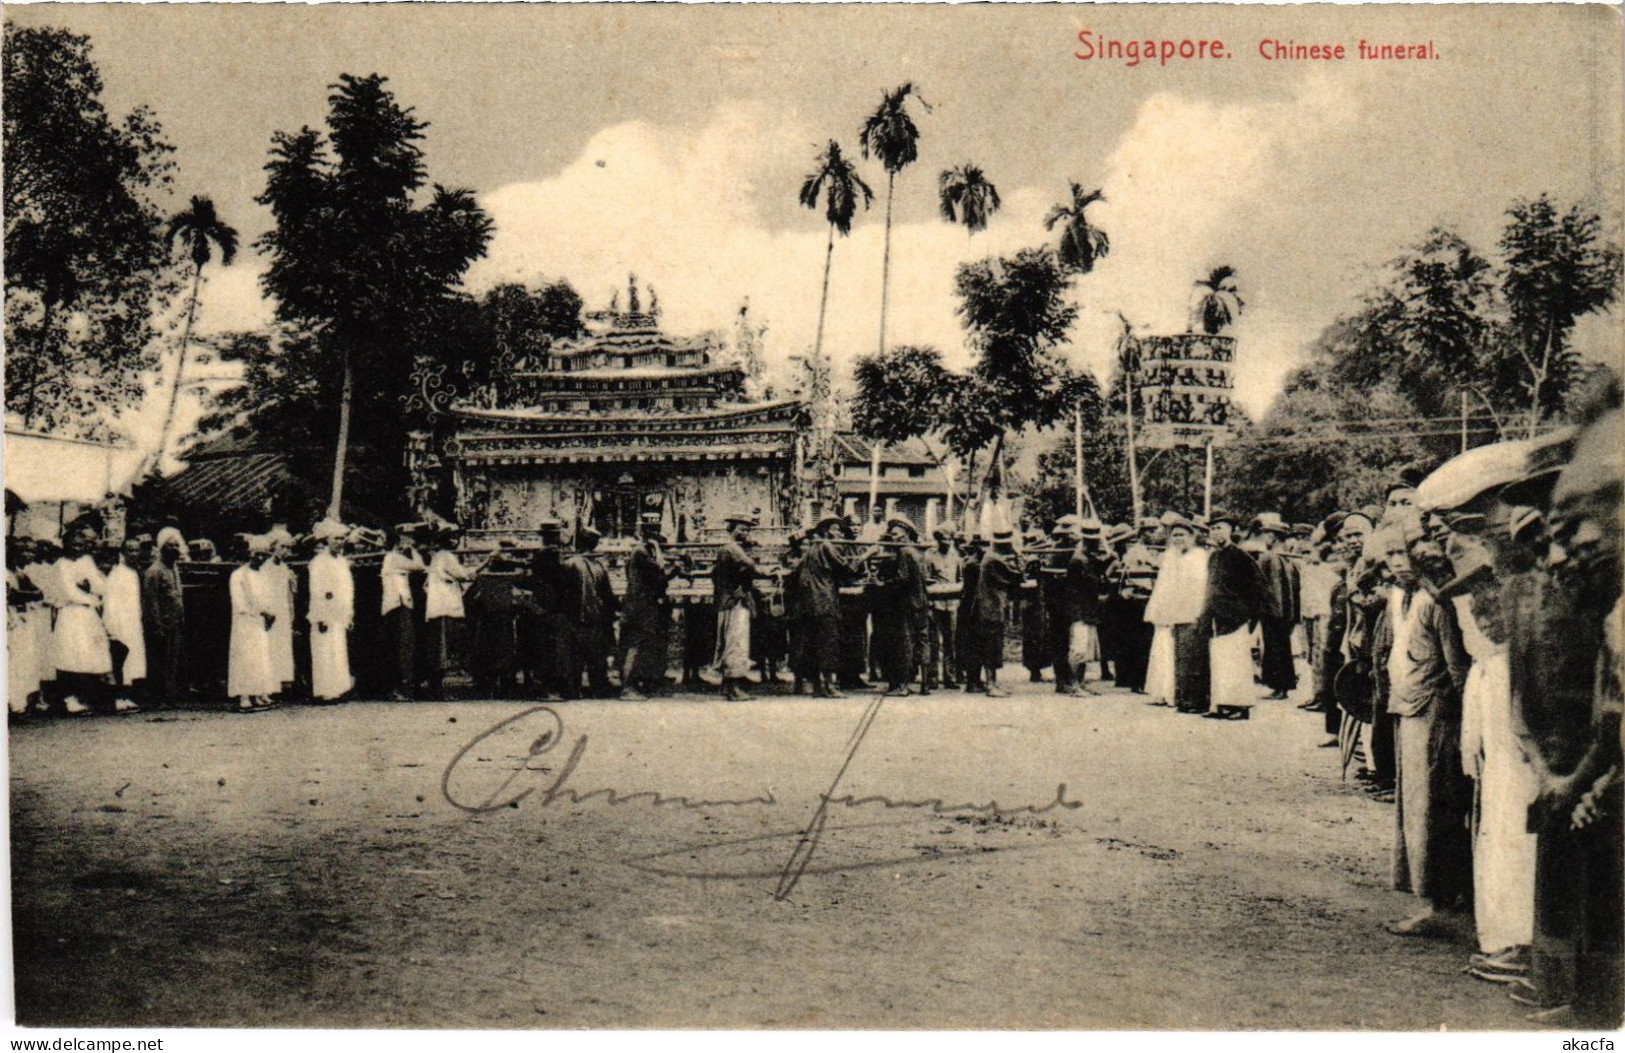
{"x": 852, "y": 448}
{"x": 630, "y": 373}
{"x": 777, "y": 411}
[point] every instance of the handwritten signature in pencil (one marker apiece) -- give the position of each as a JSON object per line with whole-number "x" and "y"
{"x": 546, "y": 729}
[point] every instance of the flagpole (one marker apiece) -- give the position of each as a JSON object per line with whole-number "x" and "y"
{"x": 1077, "y": 459}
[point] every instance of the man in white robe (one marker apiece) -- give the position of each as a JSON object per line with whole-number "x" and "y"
{"x": 250, "y": 676}
{"x": 1176, "y": 600}
{"x": 79, "y": 646}
{"x": 279, "y": 588}
{"x": 121, "y": 616}
{"x": 331, "y": 615}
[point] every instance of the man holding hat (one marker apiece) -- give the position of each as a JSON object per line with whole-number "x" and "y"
{"x": 331, "y": 614}
{"x": 733, "y": 579}
{"x": 1282, "y": 591}
{"x": 899, "y": 607}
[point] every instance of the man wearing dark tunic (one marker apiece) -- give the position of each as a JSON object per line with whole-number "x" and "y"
{"x": 1236, "y": 599}
{"x": 1134, "y": 576}
{"x": 591, "y": 610}
{"x": 1281, "y": 583}
{"x": 163, "y": 620}
{"x": 824, "y": 570}
{"x": 547, "y": 627}
{"x": 646, "y": 614}
{"x": 998, "y": 582}
{"x": 966, "y": 636}
{"x": 899, "y": 608}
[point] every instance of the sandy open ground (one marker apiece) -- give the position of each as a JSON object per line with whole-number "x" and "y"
{"x": 304, "y": 867}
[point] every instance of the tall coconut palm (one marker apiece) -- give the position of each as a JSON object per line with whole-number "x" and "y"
{"x": 1082, "y": 245}
{"x": 837, "y": 182}
{"x": 200, "y": 229}
{"x": 967, "y": 197}
{"x": 1218, "y": 305}
{"x": 890, "y": 135}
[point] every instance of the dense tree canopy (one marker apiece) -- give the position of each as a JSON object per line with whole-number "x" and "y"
{"x": 87, "y": 267}
{"x": 364, "y": 260}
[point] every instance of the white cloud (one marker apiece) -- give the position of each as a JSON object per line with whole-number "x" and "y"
{"x": 1190, "y": 185}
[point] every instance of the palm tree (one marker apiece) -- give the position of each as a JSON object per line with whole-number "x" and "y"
{"x": 200, "y": 229}
{"x": 890, "y": 135}
{"x": 1219, "y": 304}
{"x": 967, "y": 197}
{"x": 1082, "y": 245}
{"x": 836, "y": 180}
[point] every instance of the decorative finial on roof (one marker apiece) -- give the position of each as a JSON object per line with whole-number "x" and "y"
{"x": 632, "y": 294}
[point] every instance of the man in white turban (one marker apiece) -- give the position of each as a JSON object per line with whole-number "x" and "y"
{"x": 250, "y": 677}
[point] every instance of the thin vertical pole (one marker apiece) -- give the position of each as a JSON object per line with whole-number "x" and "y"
{"x": 1133, "y": 462}
{"x": 1077, "y": 459}
{"x": 1464, "y": 422}
{"x": 1207, "y": 485}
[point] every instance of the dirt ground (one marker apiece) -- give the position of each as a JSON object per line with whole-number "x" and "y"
{"x": 305, "y": 867}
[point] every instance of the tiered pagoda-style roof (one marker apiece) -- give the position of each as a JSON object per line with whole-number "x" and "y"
{"x": 626, "y": 391}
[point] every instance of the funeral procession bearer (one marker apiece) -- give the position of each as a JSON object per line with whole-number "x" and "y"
{"x": 899, "y": 607}
{"x": 646, "y": 612}
{"x": 821, "y": 575}
{"x": 733, "y": 579}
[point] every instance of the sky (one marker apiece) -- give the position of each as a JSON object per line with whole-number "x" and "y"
{"x": 671, "y": 141}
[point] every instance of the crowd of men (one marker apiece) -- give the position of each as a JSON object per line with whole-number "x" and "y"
{"x": 1462, "y": 639}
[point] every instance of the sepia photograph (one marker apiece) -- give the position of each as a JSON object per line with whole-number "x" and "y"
{"x": 813, "y": 517}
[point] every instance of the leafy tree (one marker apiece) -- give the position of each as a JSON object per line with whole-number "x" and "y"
{"x": 199, "y": 229}
{"x": 1016, "y": 317}
{"x": 524, "y": 322}
{"x": 87, "y": 270}
{"x": 900, "y": 394}
{"x": 1082, "y": 244}
{"x": 837, "y": 182}
{"x": 357, "y": 261}
{"x": 1557, "y": 268}
{"x": 965, "y": 196}
{"x": 1219, "y": 304}
{"x": 891, "y": 135}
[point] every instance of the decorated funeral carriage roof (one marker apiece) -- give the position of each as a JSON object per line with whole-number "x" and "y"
{"x": 739, "y": 414}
